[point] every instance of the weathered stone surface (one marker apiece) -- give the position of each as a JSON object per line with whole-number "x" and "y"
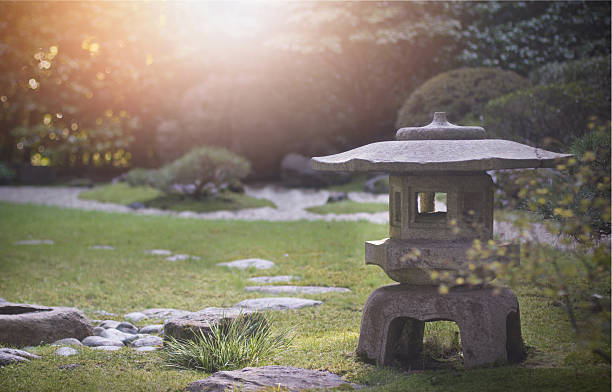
{"x": 66, "y": 351}
{"x": 127, "y": 328}
{"x": 147, "y": 341}
{"x": 180, "y": 257}
{"x": 35, "y": 242}
{"x": 158, "y": 252}
{"x": 103, "y": 247}
{"x": 276, "y": 303}
{"x": 152, "y": 328}
{"x": 296, "y": 289}
{"x": 248, "y": 263}
{"x": 185, "y": 327}
{"x": 21, "y": 353}
{"x": 107, "y": 348}
{"x": 11, "y": 355}
{"x": 438, "y": 155}
{"x": 30, "y": 325}
{"x": 95, "y": 341}
{"x": 98, "y": 331}
{"x": 489, "y": 323}
{"x": 67, "y": 342}
{"x": 157, "y": 314}
{"x": 272, "y": 279}
{"x": 115, "y": 334}
{"x": 253, "y": 379}
{"x": 440, "y": 129}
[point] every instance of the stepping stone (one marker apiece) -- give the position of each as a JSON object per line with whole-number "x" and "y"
{"x": 185, "y": 327}
{"x": 296, "y": 289}
{"x": 152, "y": 328}
{"x": 104, "y": 247}
{"x": 67, "y": 342}
{"x": 156, "y": 313}
{"x": 180, "y": 257}
{"x": 34, "y": 242}
{"x": 115, "y": 334}
{"x": 248, "y": 263}
{"x": 109, "y": 324}
{"x": 66, "y": 351}
{"x": 276, "y": 303}
{"x": 158, "y": 252}
{"x": 256, "y": 378}
{"x": 127, "y": 328}
{"x": 146, "y": 348}
{"x": 96, "y": 341}
{"x": 272, "y": 279}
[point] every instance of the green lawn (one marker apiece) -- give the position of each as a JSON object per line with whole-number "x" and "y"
{"x": 348, "y": 207}
{"x": 69, "y": 273}
{"x": 122, "y": 193}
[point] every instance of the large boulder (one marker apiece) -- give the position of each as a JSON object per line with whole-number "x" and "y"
{"x": 30, "y": 325}
{"x": 296, "y": 171}
{"x": 257, "y": 378}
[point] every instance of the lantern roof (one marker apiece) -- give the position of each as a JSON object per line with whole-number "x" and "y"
{"x": 439, "y": 146}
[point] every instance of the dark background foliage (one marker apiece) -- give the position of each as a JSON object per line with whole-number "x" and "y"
{"x": 118, "y": 85}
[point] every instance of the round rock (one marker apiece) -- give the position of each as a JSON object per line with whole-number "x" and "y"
{"x": 66, "y": 351}
{"x": 147, "y": 341}
{"x": 96, "y": 341}
{"x": 68, "y": 342}
{"x": 152, "y": 328}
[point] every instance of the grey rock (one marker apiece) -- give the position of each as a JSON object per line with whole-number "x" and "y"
{"x": 20, "y": 353}
{"x": 98, "y": 331}
{"x": 68, "y": 342}
{"x": 147, "y": 341}
{"x": 30, "y": 325}
{"x": 104, "y": 313}
{"x": 109, "y": 324}
{"x": 115, "y": 334}
{"x": 186, "y": 327}
{"x": 107, "y": 348}
{"x": 253, "y": 379}
{"x": 158, "y": 252}
{"x": 272, "y": 279}
{"x": 136, "y": 205}
{"x": 336, "y": 197}
{"x": 296, "y": 289}
{"x": 130, "y": 338}
{"x": 180, "y": 257}
{"x": 135, "y": 316}
{"x": 95, "y": 341}
{"x": 66, "y": 351}
{"x": 146, "y": 348}
{"x": 7, "y": 359}
{"x": 3, "y": 301}
{"x": 35, "y": 242}
{"x": 152, "y": 328}
{"x": 127, "y": 327}
{"x": 276, "y": 303}
{"x": 103, "y": 247}
{"x": 248, "y": 263}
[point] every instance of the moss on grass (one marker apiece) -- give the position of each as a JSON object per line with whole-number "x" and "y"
{"x": 124, "y": 194}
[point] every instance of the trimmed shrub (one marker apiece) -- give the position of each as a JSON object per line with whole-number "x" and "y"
{"x": 592, "y": 71}
{"x": 142, "y": 177}
{"x": 548, "y": 115}
{"x": 461, "y": 93}
{"x": 202, "y": 166}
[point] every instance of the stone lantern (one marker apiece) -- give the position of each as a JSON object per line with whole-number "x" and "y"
{"x": 426, "y": 166}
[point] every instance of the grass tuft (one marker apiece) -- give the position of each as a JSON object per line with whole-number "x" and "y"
{"x": 246, "y": 341}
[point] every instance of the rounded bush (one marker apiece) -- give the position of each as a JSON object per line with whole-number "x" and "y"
{"x": 141, "y": 177}
{"x": 461, "y": 93}
{"x": 551, "y": 116}
{"x": 204, "y": 165}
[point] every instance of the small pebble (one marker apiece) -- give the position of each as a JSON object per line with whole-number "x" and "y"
{"x": 152, "y": 328}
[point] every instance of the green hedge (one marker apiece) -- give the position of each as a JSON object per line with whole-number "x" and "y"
{"x": 461, "y": 93}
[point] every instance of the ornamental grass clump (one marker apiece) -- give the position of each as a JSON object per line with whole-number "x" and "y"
{"x": 246, "y": 341}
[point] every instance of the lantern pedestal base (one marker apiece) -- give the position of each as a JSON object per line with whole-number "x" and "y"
{"x": 394, "y": 318}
